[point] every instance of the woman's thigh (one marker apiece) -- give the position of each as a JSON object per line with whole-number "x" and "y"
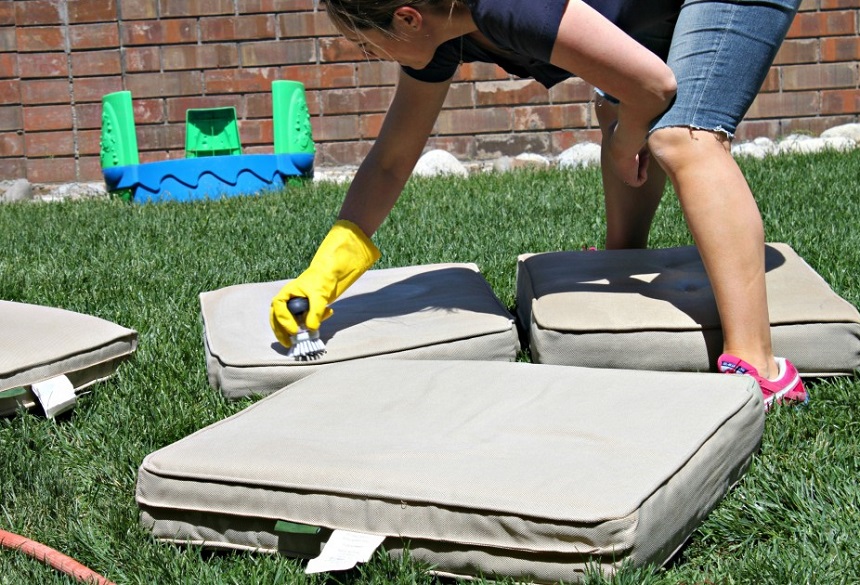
{"x": 721, "y": 53}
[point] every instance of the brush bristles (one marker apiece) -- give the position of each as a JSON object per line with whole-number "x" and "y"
{"x": 306, "y": 345}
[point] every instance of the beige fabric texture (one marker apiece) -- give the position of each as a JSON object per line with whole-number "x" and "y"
{"x": 496, "y": 468}
{"x": 438, "y": 311}
{"x": 655, "y": 310}
{"x": 38, "y": 343}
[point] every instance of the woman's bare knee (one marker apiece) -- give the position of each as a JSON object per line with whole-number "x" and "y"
{"x": 678, "y": 146}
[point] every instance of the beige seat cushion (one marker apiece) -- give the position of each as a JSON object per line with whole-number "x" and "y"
{"x": 654, "y": 309}
{"x": 439, "y": 311}
{"x": 513, "y": 469}
{"x": 38, "y": 343}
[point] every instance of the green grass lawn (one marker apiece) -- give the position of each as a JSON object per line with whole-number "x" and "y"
{"x": 794, "y": 518}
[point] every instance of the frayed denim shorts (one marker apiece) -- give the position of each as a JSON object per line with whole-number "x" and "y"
{"x": 720, "y": 53}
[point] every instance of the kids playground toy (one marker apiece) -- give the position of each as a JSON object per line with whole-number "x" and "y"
{"x": 214, "y": 165}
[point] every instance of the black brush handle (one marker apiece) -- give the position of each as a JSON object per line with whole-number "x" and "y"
{"x": 298, "y": 306}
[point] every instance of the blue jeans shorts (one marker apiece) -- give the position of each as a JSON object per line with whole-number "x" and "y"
{"x": 720, "y": 52}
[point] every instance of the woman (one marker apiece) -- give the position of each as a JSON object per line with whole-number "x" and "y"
{"x": 675, "y": 78}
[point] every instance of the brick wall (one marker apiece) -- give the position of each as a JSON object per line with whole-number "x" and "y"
{"x": 59, "y": 57}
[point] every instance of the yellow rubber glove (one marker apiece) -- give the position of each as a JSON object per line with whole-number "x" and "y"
{"x": 345, "y": 254}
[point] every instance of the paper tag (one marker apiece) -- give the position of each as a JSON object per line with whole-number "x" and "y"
{"x": 344, "y": 550}
{"x": 56, "y": 395}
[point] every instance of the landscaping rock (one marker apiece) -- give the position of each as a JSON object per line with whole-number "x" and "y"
{"x": 765, "y": 144}
{"x": 70, "y": 191}
{"x": 851, "y": 131}
{"x": 528, "y": 160}
{"x": 579, "y": 155}
{"x": 439, "y": 162}
{"x": 17, "y": 190}
{"x": 800, "y": 144}
{"x": 503, "y": 164}
{"x": 840, "y": 143}
{"x": 335, "y": 174}
{"x": 749, "y": 149}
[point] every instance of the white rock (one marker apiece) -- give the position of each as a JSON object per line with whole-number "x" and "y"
{"x": 503, "y": 164}
{"x": 749, "y": 149}
{"x": 16, "y": 190}
{"x": 800, "y": 144}
{"x": 439, "y": 162}
{"x": 75, "y": 191}
{"x": 339, "y": 175}
{"x": 851, "y": 131}
{"x": 766, "y": 143}
{"x": 529, "y": 160}
{"x": 840, "y": 143}
{"x": 580, "y": 155}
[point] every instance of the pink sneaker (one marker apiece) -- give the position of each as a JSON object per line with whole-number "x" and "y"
{"x": 788, "y": 387}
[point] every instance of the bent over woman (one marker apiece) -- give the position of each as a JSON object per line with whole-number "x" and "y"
{"x": 674, "y": 79}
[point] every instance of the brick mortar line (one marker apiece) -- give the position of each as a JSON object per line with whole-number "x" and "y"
{"x": 67, "y": 48}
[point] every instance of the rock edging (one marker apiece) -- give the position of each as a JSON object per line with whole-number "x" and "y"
{"x": 440, "y": 162}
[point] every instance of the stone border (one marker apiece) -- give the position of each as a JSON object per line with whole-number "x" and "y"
{"x": 439, "y": 162}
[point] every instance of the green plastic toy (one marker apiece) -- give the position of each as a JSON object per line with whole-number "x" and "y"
{"x": 211, "y": 132}
{"x": 290, "y": 118}
{"x": 118, "y": 138}
{"x": 118, "y": 143}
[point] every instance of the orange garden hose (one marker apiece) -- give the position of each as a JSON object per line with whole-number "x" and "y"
{"x": 52, "y": 557}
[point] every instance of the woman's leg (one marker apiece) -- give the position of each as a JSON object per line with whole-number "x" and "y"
{"x": 721, "y": 53}
{"x": 629, "y": 210}
{"x": 727, "y": 228}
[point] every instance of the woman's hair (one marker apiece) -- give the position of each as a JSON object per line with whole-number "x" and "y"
{"x": 358, "y": 15}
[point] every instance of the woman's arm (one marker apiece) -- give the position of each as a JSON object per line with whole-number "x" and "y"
{"x": 347, "y": 251}
{"x": 599, "y": 52}
{"x": 383, "y": 173}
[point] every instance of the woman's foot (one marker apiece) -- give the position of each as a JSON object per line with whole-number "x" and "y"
{"x": 787, "y": 387}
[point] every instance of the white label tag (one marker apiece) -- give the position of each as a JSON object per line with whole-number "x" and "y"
{"x": 344, "y": 550}
{"x": 56, "y": 395}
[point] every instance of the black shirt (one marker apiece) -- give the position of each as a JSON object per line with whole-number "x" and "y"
{"x": 525, "y": 32}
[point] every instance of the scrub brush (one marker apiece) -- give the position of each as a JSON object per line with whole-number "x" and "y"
{"x": 305, "y": 345}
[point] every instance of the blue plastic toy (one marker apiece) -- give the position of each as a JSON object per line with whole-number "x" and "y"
{"x": 213, "y": 166}
{"x": 207, "y": 177}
